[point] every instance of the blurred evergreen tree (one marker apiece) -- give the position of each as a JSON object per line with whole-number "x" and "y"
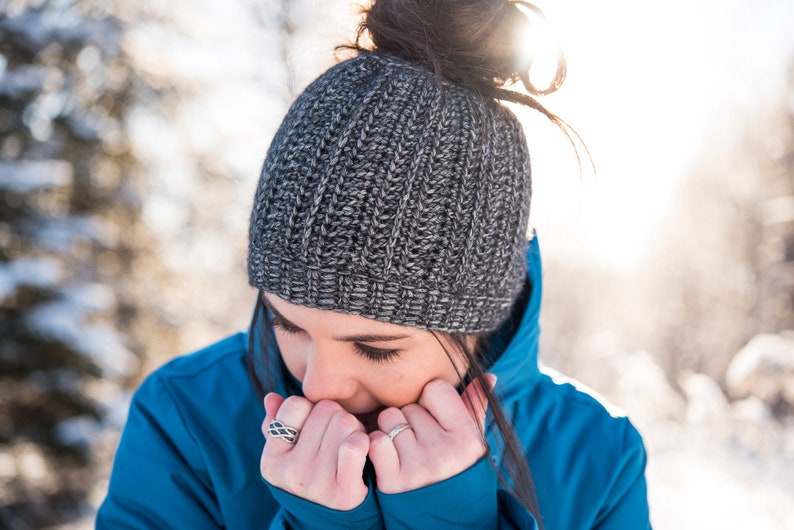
{"x": 71, "y": 248}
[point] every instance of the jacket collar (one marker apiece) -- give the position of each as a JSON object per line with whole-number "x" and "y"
{"x": 517, "y": 369}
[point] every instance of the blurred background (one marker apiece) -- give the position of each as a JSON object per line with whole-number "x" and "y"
{"x": 131, "y": 137}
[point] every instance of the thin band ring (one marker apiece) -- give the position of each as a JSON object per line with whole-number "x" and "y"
{"x": 397, "y": 429}
{"x": 279, "y": 430}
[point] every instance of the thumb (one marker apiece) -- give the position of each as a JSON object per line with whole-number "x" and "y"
{"x": 475, "y": 400}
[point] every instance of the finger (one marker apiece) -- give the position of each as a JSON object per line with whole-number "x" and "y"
{"x": 441, "y": 400}
{"x": 351, "y": 459}
{"x": 340, "y": 425}
{"x": 424, "y": 426}
{"x": 272, "y": 403}
{"x": 317, "y": 430}
{"x": 385, "y": 460}
{"x": 390, "y": 418}
{"x": 475, "y": 400}
{"x": 292, "y": 412}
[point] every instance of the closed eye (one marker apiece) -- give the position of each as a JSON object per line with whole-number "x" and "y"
{"x": 285, "y": 325}
{"x": 378, "y": 355}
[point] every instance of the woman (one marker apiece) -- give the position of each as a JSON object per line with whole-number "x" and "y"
{"x": 395, "y": 334}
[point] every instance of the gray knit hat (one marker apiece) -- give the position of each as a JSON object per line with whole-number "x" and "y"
{"x": 390, "y": 195}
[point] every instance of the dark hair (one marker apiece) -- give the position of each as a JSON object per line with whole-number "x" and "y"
{"x": 262, "y": 372}
{"x": 472, "y": 43}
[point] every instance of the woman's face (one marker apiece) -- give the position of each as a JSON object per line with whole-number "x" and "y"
{"x": 362, "y": 364}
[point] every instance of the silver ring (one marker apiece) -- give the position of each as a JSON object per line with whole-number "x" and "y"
{"x": 279, "y": 430}
{"x": 397, "y": 429}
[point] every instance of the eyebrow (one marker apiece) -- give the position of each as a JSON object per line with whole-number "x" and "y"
{"x": 367, "y": 337}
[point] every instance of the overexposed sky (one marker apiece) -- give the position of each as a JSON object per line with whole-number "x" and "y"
{"x": 648, "y": 85}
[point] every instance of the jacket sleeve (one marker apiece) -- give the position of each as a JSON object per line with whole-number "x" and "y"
{"x": 626, "y": 504}
{"x": 470, "y": 499}
{"x": 158, "y": 478}
{"x": 297, "y": 513}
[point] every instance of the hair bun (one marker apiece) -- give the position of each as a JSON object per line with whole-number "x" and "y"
{"x": 473, "y": 43}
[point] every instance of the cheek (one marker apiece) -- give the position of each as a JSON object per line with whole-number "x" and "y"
{"x": 448, "y": 373}
{"x": 399, "y": 385}
{"x": 392, "y": 387}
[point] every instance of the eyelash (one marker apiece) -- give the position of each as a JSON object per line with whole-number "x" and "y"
{"x": 377, "y": 355}
{"x": 286, "y": 327}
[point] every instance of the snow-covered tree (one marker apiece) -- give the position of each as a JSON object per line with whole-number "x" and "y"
{"x": 71, "y": 248}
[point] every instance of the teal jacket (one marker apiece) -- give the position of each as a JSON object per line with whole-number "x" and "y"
{"x": 189, "y": 454}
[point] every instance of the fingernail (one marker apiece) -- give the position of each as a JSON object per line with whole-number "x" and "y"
{"x": 492, "y": 379}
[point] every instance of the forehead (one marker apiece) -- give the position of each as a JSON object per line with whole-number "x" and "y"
{"x": 302, "y": 314}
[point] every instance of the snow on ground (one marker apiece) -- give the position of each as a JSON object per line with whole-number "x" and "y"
{"x": 711, "y": 464}
{"x": 697, "y": 483}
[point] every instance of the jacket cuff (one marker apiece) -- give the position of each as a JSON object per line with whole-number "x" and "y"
{"x": 300, "y": 513}
{"x": 466, "y": 500}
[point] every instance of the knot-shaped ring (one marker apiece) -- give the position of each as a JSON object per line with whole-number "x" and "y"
{"x": 279, "y": 430}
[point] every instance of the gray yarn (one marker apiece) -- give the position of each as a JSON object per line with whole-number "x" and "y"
{"x": 389, "y": 195}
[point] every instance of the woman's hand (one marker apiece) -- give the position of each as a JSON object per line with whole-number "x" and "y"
{"x": 326, "y": 463}
{"x": 444, "y": 438}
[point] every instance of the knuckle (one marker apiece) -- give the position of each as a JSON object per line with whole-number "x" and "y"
{"x": 344, "y": 420}
{"x": 436, "y": 385}
{"x": 376, "y": 443}
{"x": 350, "y": 446}
{"x": 327, "y": 407}
{"x": 390, "y": 415}
{"x": 439, "y": 383}
{"x": 412, "y": 408}
{"x": 294, "y": 406}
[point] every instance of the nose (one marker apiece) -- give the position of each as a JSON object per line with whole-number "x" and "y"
{"x": 326, "y": 378}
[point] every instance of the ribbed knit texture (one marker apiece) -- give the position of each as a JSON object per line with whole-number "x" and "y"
{"x": 389, "y": 195}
